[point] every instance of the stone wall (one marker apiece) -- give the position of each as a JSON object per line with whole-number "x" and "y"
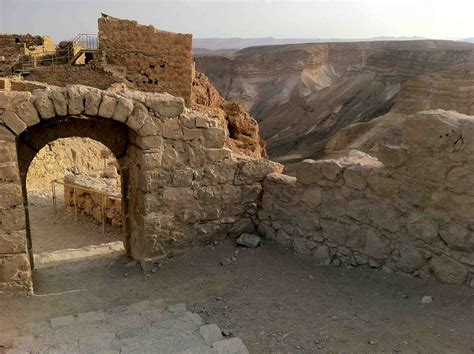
{"x": 11, "y": 44}
{"x": 153, "y": 60}
{"x": 181, "y": 186}
{"x": 411, "y": 210}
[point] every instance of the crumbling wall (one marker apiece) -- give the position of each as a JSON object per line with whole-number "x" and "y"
{"x": 411, "y": 210}
{"x": 153, "y": 60}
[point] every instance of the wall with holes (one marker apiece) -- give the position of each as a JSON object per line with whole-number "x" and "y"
{"x": 153, "y": 60}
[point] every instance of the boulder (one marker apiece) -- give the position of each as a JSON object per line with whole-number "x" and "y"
{"x": 447, "y": 270}
{"x": 249, "y": 240}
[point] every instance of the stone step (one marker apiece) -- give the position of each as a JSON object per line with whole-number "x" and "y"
{"x": 145, "y": 327}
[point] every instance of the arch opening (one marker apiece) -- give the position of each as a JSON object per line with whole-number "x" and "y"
{"x": 92, "y": 201}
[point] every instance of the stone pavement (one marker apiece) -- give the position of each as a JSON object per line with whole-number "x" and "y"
{"x": 144, "y": 327}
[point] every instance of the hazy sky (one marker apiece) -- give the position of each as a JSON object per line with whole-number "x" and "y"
{"x": 62, "y": 19}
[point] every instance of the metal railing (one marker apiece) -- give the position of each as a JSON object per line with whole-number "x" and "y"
{"x": 80, "y": 44}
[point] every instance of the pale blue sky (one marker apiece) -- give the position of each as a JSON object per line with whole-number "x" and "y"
{"x": 62, "y": 19}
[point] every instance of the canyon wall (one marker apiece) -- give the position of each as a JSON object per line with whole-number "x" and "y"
{"x": 411, "y": 210}
{"x": 302, "y": 94}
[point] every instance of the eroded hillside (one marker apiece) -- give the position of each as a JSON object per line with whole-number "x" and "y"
{"x": 302, "y": 94}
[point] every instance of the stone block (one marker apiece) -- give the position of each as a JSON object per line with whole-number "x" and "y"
{"x": 13, "y": 122}
{"x": 171, "y": 129}
{"x": 447, "y": 270}
{"x": 382, "y": 185}
{"x": 165, "y": 105}
{"x": 138, "y": 116}
{"x": 392, "y": 156}
{"x": 148, "y": 128}
{"x": 123, "y": 109}
{"x": 210, "y": 333}
{"x": 14, "y": 267}
{"x": 24, "y": 343}
{"x": 178, "y": 197}
{"x": 107, "y": 106}
{"x": 331, "y": 169}
{"x": 11, "y": 195}
{"x": 312, "y": 197}
{"x": 75, "y": 96}
{"x": 257, "y": 170}
{"x": 44, "y": 106}
{"x": 59, "y": 102}
{"x": 217, "y": 155}
{"x": 8, "y": 171}
{"x": 92, "y": 102}
{"x": 321, "y": 254}
{"x": 15, "y": 242}
{"x": 61, "y": 321}
{"x": 457, "y": 237}
{"x": 411, "y": 259}
{"x": 309, "y": 172}
{"x": 228, "y": 346}
{"x": 215, "y": 138}
{"x": 300, "y": 247}
{"x": 354, "y": 178}
{"x": 333, "y": 231}
{"x": 375, "y": 246}
{"x": 26, "y": 111}
{"x": 12, "y": 219}
{"x": 177, "y": 308}
{"x": 191, "y": 134}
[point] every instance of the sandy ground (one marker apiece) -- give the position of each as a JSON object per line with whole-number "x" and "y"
{"x": 50, "y": 232}
{"x": 271, "y": 299}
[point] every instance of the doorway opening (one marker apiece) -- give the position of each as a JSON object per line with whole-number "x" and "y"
{"x": 74, "y": 202}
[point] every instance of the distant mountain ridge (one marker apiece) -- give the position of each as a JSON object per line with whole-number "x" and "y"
{"x": 240, "y": 43}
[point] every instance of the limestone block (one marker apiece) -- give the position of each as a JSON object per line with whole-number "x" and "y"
{"x": 281, "y": 178}
{"x": 447, "y": 270}
{"x": 148, "y": 128}
{"x": 257, "y": 170}
{"x": 217, "y": 155}
{"x": 75, "y": 96}
{"x": 414, "y": 194}
{"x": 215, "y": 137}
{"x": 197, "y": 156}
{"x": 26, "y": 111}
{"x": 220, "y": 173}
{"x": 13, "y": 122}
{"x": 251, "y": 193}
{"x": 188, "y": 121}
{"x": 6, "y": 135}
{"x": 183, "y": 177}
{"x": 386, "y": 217}
{"x": 138, "y": 116}
{"x": 191, "y": 134}
{"x": 333, "y": 204}
{"x": 300, "y": 247}
{"x": 14, "y": 267}
{"x": 331, "y": 169}
{"x": 392, "y": 156}
{"x": 178, "y": 197}
{"x": 44, "y": 106}
{"x": 9, "y": 171}
{"x": 171, "y": 129}
{"x": 7, "y": 152}
{"x": 230, "y": 345}
{"x": 107, "y": 106}
{"x": 123, "y": 109}
{"x": 13, "y": 98}
{"x": 210, "y": 333}
{"x": 11, "y": 195}
{"x": 411, "y": 259}
{"x": 358, "y": 209}
{"x": 283, "y": 238}
{"x": 460, "y": 180}
{"x": 309, "y": 172}
{"x": 92, "y": 102}
{"x": 231, "y": 194}
{"x": 354, "y": 178}
{"x": 202, "y": 122}
{"x": 420, "y": 226}
{"x": 355, "y": 237}
{"x": 383, "y": 186}
{"x": 375, "y": 246}
{"x": 14, "y": 242}
{"x": 333, "y": 231}
{"x": 240, "y": 226}
{"x": 12, "y": 219}
{"x": 150, "y": 142}
{"x": 312, "y": 197}
{"x": 321, "y": 254}
{"x": 164, "y": 104}
{"x": 59, "y": 102}
{"x": 457, "y": 237}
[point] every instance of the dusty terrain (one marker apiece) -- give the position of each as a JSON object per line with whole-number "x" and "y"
{"x": 271, "y": 299}
{"x": 301, "y": 94}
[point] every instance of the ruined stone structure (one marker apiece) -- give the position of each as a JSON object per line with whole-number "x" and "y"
{"x": 11, "y": 44}
{"x": 411, "y": 210}
{"x": 181, "y": 187}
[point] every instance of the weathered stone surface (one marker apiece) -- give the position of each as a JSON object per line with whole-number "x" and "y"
{"x": 312, "y": 198}
{"x": 59, "y": 102}
{"x": 321, "y": 254}
{"x": 392, "y": 156}
{"x": 375, "y": 246}
{"x": 300, "y": 247}
{"x": 331, "y": 169}
{"x": 447, "y": 270}
{"x": 410, "y": 259}
{"x": 231, "y": 345}
{"x": 75, "y": 97}
{"x": 280, "y": 178}
{"x": 107, "y": 106}
{"x": 257, "y": 170}
{"x": 14, "y": 267}
{"x": 14, "y": 242}
{"x": 26, "y": 111}
{"x": 354, "y": 178}
{"x": 166, "y": 105}
{"x": 123, "y": 109}
{"x": 215, "y": 137}
{"x": 457, "y": 237}
{"x": 249, "y": 240}
{"x": 13, "y": 122}
{"x": 92, "y": 101}
{"x": 138, "y": 116}
{"x": 44, "y": 106}
{"x": 171, "y": 129}
{"x": 333, "y": 231}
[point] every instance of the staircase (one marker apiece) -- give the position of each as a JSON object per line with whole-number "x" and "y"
{"x": 144, "y": 327}
{"x": 24, "y": 64}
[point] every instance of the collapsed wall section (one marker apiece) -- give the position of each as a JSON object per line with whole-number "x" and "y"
{"x": 411, "y": 211}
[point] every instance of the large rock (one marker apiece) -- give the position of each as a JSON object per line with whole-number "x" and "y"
{"x": 249, "y": 240}
{"x": 447, "y": 270}
{"x": 457, "y": 237}
{"x": 410, "y": 259}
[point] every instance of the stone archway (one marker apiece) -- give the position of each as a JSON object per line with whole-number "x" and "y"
{"x": 183, "y": 186}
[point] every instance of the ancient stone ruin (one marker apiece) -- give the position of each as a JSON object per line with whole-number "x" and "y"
{"x": 193, "y": 168}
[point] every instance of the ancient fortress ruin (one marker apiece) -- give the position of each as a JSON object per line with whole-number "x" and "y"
{"x": 193, "y": 167}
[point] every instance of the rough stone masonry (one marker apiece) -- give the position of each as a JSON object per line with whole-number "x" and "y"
{"x": 411, "y": 210}
{"x": 181, "y": 186}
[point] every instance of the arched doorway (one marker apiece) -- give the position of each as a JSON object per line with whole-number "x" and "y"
{"x": 32, "y": 140}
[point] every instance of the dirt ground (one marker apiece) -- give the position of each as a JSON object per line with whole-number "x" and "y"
{"x": 271, "y": 299}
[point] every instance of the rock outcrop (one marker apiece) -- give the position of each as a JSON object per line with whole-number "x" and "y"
{"x": 302, "y": 94}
